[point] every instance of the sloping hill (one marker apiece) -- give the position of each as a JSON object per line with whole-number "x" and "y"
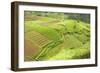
{"x": 59, "y": 40}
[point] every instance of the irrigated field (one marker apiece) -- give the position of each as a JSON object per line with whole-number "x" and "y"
{"x": 49, "y": 37}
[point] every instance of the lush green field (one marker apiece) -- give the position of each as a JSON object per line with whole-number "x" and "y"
{"x": 49, "y": 37}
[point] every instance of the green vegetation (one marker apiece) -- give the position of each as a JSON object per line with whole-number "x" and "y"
{"x": 56, "y": 36}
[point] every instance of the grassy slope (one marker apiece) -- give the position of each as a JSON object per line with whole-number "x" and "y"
{"x": 72, "y": 46}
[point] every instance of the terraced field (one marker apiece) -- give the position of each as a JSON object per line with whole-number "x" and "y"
{"x": 48, "y": 38}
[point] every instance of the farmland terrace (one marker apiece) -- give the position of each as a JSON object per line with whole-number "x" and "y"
{"x": 48, "y": 37}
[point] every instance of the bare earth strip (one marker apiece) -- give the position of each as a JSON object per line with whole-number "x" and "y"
{"x": 33, "y": 43}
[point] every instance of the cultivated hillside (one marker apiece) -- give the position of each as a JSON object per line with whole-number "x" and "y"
{"x": 51, "y": 38}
